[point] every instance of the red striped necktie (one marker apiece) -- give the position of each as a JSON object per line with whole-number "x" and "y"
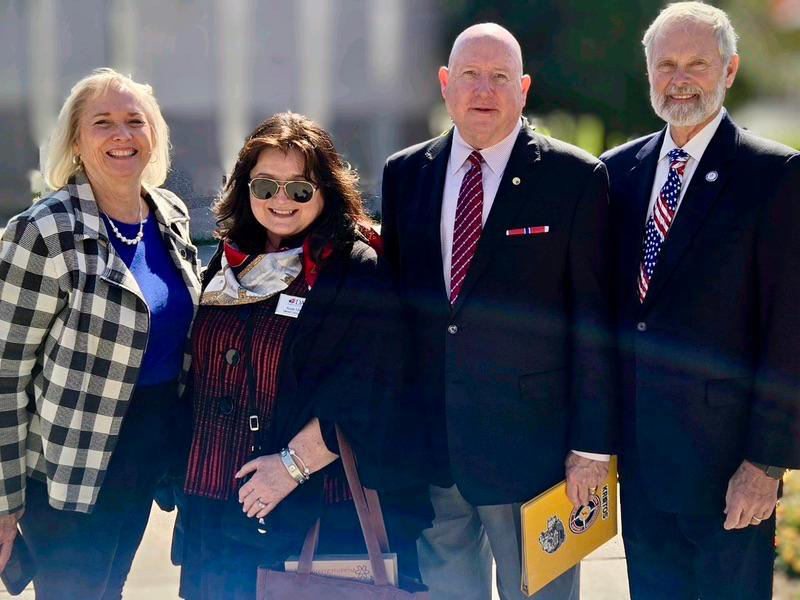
{"x": 660, "y": 220}
{"x": 467, "y": 226}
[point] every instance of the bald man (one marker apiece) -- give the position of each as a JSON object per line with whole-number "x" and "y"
{"x": 499, "y": 241}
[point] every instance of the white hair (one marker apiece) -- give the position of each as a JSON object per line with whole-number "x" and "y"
{"x": 694, "y": 12}
{"x": 61, "y": 160}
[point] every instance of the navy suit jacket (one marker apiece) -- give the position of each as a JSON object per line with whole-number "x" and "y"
{"x": 520, "y": 369}
{"x": 711, "y": 359}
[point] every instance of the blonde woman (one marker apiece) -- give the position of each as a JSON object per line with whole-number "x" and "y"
{"x": 98, "y": 289}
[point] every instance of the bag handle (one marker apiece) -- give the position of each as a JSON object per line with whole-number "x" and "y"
{"x": 370, "y": 518}
{"x": 366, "y": 518}
{"x": 309, "y": 549}
{"x": 376, "y": 514}
{"x": 253, "y": 422}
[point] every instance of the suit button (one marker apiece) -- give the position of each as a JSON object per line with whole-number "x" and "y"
{"x": 225, "y": 406}
{"x": 641, "y": 326}
{"x": 184, "y": 253}
{"x": 452, "y": 329}
{"x": 232, "y": 357}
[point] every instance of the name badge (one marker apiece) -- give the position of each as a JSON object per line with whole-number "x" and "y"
{"x": 289, "y": 306}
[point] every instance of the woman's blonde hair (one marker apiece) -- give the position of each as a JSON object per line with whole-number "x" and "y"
{"x": 61, "y": 162}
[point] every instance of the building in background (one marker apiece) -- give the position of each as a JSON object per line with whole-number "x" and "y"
{"x": 364, "y": 68}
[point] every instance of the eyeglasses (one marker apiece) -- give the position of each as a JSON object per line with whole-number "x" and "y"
{"x": 264, "y": 189}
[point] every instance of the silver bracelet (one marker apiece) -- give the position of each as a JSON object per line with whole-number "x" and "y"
{"x": 294, "y": 472}
{"x": 299, "y": 462}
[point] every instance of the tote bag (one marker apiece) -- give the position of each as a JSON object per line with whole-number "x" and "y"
{"x": 305, "y": 585}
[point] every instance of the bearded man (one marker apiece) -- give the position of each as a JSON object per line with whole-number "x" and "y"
{"x": 708, "y": 278}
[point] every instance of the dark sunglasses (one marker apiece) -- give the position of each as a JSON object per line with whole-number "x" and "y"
{"x": 264, "y": 189}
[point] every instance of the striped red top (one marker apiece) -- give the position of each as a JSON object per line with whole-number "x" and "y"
{"x": 222, "y": 438}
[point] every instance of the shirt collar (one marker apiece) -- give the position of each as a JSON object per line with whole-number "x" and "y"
{"x": 696, "y": 146}
{"x": 496, "y": 157}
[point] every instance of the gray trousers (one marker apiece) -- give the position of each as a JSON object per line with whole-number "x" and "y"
{"x": 455, "y": 553}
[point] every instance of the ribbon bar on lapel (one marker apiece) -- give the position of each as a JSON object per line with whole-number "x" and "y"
{"x": 539, "y": 229}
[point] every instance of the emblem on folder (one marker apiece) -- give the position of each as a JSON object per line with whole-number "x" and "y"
{"x": 551, "y": 539}
{"x": 583, "y": 517}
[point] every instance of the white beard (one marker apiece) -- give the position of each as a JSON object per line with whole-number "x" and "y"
{"x": 687, "y": 114}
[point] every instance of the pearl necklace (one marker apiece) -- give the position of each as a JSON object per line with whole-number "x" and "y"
{"x": 122, "y": 238}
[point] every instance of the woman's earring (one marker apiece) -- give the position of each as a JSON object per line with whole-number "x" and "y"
{"x": 76, "y": 160}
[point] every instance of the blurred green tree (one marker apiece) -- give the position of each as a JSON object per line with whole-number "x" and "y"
{"x": 769, "y": 43}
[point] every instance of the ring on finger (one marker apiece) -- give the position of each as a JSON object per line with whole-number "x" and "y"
{"x": 592, "y": 490}
{"x": 260, "y": 503}
{"x": 755, "y": 520}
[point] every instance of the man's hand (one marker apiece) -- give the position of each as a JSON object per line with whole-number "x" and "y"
{"x": 583, "y": 476}
{"x": 8, "y": 531}
{"x": 751, "y": 497}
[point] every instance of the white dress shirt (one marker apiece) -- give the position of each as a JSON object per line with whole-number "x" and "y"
{"x": 694, "y": 148}
{"x": 495, "y": 159}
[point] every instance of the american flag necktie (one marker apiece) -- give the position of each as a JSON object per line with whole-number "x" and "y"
{"x": 660, "y": 219}
{"x": 467, "y": 226}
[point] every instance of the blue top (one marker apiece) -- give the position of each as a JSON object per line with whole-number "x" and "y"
{"x": 165, "y": 293}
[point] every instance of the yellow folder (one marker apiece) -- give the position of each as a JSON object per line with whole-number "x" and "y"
{"x": 556, "y": 535}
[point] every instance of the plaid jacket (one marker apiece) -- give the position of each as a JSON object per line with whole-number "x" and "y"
{"x": 73, "y": 331}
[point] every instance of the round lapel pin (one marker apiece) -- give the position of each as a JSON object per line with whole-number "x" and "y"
{"x": 712, "y": 176}
{"x": 516, "y": 181}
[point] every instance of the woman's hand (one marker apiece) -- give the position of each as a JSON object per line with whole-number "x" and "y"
{"x": 269, "y": 484}
{"x": 8, "y": 532}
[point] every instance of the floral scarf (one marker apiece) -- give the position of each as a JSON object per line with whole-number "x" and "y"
{"x": 245, "y": 278}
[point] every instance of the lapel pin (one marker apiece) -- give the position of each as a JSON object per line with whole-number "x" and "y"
{"x": 516, "y": 181}
{"x": 711, "y": 176}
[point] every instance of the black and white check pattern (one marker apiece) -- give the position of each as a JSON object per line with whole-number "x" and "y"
{"x": 73, "y": 331}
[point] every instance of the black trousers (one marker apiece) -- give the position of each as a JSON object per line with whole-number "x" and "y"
{"x": 686, "y": 557}
{"x": 83, "y": 556}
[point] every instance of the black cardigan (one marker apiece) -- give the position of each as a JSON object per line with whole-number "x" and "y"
{"x": 343, "y": 362}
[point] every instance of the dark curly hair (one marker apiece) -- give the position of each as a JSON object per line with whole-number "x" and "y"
{"x": 343, "y": 210}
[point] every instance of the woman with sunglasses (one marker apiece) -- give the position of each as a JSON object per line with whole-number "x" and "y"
{"x": 298, "y": 330}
